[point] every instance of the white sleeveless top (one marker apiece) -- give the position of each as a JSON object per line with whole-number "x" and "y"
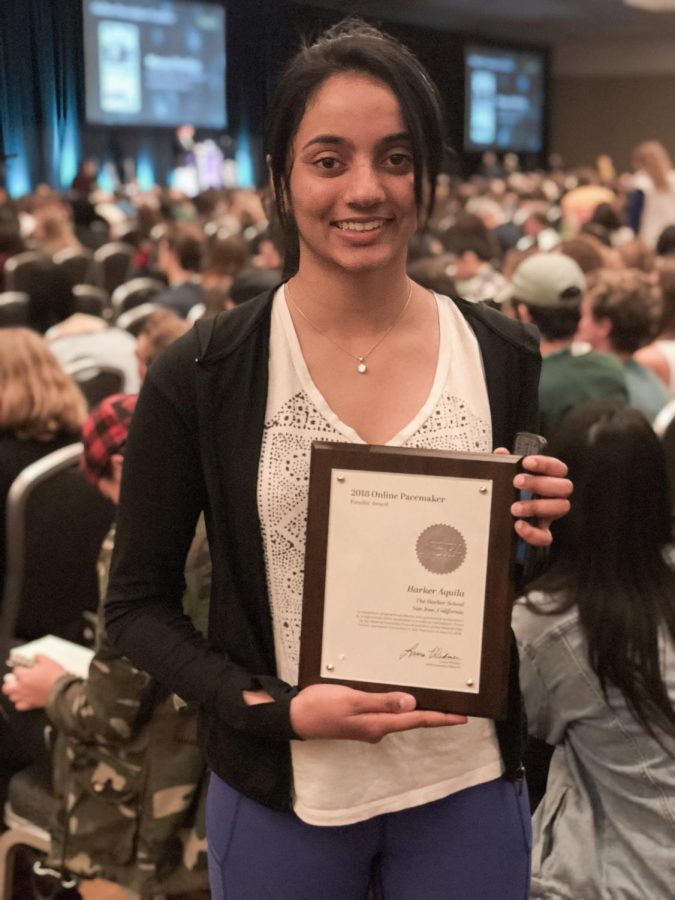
{"x": 341, "y": 782}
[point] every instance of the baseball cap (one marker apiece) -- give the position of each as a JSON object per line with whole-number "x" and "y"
{"x": 550, "y": 280}
{"x": 105, "y": 433}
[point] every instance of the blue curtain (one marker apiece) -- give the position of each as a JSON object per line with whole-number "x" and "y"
{"x": 40, "y": 91}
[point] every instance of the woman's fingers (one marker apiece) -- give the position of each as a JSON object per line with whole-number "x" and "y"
{"x": 544, "y": 485}
{"x": 388, "y": 702}
{"x": 540, "y": 509}
{"x": 534, "y": 535}
{"x": 338, "y": 712}
{"x": 545, "y": 465}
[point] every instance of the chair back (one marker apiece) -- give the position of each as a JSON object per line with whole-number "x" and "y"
{"x": 115, "y": 261}
{"x": 96, "y": 381}
{"x": 46, "y": 284}
{"x": 134, "y": 319}
{"x": 93, "y": 301}
{"x": 14, "y": 309}
{"x": 79, "y": 265}
{"x": 19, "y": 269}
{"x": 56, "y": 522}
{"x": 133, "y": 293}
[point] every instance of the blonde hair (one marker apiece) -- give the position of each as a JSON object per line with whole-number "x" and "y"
{"x": 654, "y": 159}
{"x": 37, "y": 399}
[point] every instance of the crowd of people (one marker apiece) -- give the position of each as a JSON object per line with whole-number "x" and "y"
{"x": 352, "y": 256}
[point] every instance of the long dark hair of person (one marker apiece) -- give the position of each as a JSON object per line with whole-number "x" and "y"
{"x": 607, "y": 557}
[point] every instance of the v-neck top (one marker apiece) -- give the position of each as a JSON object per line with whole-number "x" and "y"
{"x": 339, "y": 782}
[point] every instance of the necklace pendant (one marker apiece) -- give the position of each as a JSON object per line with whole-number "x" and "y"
{"x": 362, "y": 368}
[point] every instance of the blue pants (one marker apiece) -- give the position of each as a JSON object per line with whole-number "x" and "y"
{"x": 472, "y": 845}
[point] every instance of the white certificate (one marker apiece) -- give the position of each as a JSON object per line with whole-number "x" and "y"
{"x": 406, "y": 567}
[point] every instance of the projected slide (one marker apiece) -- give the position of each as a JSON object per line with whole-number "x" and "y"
{"x": 504, "y": 100}
{"x": 155, "y": 62}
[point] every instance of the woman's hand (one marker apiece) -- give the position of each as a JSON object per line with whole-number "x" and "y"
{"x": 339, "y": 712}
{"x": 545, "y": 478}
{"x": 29, "y": 687}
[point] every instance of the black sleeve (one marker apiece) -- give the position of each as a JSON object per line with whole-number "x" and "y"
{"x": 161, "y": 498}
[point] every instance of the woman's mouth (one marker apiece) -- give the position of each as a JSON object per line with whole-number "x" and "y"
{"x": 360, "y": 225}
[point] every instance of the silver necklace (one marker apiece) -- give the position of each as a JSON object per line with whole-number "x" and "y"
{"x": 361, "y": 366}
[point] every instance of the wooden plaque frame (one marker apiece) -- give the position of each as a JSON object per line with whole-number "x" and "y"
{"x": 491, "y": 698}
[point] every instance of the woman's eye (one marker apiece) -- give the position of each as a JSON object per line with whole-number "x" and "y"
{"x": 327, "y": 163}
{"x": 399, "y": 160}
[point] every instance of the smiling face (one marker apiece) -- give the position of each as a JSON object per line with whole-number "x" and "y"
{"x": 352, "y": 188}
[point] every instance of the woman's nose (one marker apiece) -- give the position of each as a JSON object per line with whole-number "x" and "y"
{"x": 364, "y": 187}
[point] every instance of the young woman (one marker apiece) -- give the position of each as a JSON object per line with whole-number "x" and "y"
{"x": 316, "y": 793}
{"x": 597, "y": 644}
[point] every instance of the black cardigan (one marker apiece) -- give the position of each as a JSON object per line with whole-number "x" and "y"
{"x": 195, "y": 445}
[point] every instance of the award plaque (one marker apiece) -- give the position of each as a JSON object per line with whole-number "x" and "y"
{"x": 409, "y": 574}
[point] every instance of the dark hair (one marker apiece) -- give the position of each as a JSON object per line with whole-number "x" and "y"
{"x": 555, "y": 324}
{"x": 582, "y": 251}
{"x": 186, "y": 243}
{"x": 353, "y": 46}
{"x": 160, "y": 329}
{"x": 606, "y": 215}
{"x": 607, "y": 554}
{"x": 632, "y": 306}
{"x": 665, "y": 245}
{"x": 470, "y": 234}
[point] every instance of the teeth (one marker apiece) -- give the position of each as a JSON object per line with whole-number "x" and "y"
{"x": 360, "y": 226}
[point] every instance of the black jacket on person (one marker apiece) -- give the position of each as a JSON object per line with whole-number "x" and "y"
{"x": 195, "y": 444}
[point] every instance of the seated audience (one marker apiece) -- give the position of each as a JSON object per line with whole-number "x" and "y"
{"x": 547, "y": 290}
{"x": 179, "y": 259}
{"x": 120, "y": 742}
{"x": 596, "y": 634}
{"x": 41, "y": 409}
{"x": 620, "y": 315}
{"x": 659, "y": 356}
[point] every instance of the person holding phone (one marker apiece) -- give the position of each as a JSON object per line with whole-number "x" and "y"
{"x": 320, "y": 792}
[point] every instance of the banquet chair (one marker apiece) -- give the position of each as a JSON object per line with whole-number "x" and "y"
{"x": 27, "y": 816}
{"x": 14, "y": 309}
{"x": 56, "y": 521}
{"x": 20, "y": 270}
{"x": 134, "y": 293}
{"x": 92, "y": 300}
{"x": 79, "y": 265}
{"x": 134, "y": 319}
{"x": 114, "y": 260}
{"x": 95, "y": 380}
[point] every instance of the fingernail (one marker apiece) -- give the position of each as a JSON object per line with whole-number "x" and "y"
{"x": 519, "y": 481}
